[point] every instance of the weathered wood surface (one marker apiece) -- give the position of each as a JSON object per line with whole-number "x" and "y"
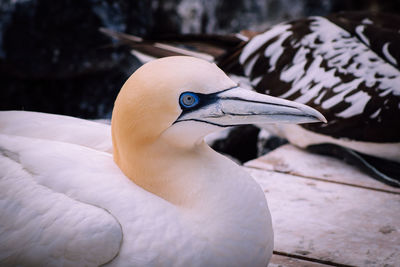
{"x": 283, "y": 261}
{"x": 289, "y": 159}
{"x": 330, "y": 222}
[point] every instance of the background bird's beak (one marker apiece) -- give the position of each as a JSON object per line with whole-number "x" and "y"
{"x": 238, "y": 106}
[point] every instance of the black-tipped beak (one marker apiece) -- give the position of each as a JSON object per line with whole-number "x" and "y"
{"x": 237, "y": 106}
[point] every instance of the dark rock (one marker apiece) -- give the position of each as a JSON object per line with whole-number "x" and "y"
{"x": 54, "y": 59}
{"x": 266, "y": 145}
{"x": 88, "y": 95}
{"x": 240, "y": 143}
{"x": 245, "y": 143}
{"x": 57, "y": 39}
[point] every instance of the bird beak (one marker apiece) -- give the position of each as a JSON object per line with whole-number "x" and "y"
{"x": 238, "y": 106}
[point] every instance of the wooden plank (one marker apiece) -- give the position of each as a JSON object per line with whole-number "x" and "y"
{"x": 332, "y": 222}
{"x": 282, "y": 261}
{"x": 290, "y": 159}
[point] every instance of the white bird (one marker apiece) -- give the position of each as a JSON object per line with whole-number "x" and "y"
{"x": 166, "y": 199}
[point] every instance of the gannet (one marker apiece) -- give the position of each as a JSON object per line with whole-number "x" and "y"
{"x": 345, "y": 65}
{"x": 162, "y": 197}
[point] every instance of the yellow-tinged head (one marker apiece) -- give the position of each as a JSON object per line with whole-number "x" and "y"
{"x": 168, "y": 105}
{"x": 148, "y": 103}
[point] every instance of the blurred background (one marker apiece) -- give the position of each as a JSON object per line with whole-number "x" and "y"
{"x": 53, "y": 58}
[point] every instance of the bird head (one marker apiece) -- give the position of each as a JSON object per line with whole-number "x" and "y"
{"x": 186, "y": 97}
{"x": 179, "y": 100}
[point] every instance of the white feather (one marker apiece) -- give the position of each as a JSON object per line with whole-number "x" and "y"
{"x": 74, "y": 199}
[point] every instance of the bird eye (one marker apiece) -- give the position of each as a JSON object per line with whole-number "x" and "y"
{"x": 188, "y": 100}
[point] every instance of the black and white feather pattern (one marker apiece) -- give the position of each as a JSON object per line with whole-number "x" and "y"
{"x": 346, "y": 66}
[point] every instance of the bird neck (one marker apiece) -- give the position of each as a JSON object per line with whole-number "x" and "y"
{"x": 221, "y": 202}
{"x": 175, "y": 173}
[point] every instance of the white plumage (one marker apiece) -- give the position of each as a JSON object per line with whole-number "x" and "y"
{"x": 65, "y": 202}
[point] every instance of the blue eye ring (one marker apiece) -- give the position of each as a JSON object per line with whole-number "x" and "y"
{"x": 188, "y": 100}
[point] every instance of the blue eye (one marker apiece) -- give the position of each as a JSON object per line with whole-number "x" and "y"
{"x": 188, "y": 100}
